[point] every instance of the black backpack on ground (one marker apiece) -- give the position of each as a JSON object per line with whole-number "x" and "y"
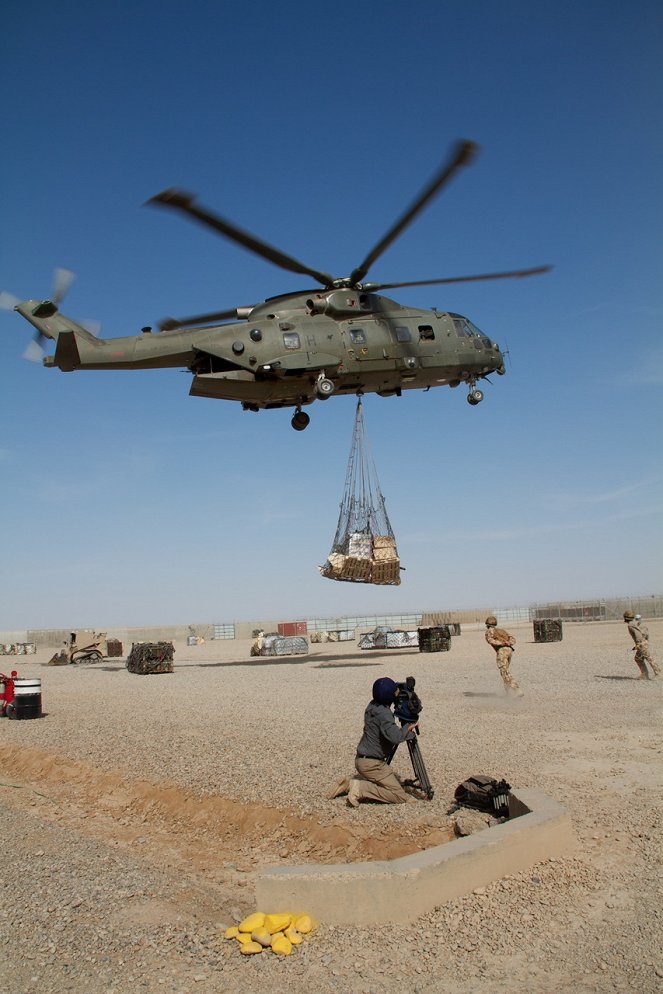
{"x": 484, "y": 794}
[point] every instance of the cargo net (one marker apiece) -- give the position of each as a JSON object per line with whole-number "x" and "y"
{"x": 151, "y": 657}
{"x": 364, "y": 547}
{"x": 548, "y": 630}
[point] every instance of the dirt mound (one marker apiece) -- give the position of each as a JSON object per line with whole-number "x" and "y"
{"x": 202, "y": 829}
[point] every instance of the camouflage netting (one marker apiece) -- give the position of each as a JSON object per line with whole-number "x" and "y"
{"x": 364, "y": 548}
{"x": 151, "y": 657}
{"x": 435, "y": 639}
{"x": 548, "y": 630}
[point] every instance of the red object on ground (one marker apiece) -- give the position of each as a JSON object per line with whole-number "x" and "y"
{"x": 6, "y": 690}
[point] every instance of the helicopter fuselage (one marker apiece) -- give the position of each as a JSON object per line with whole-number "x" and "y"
{"x": 290, "y": 350}
{"x": 281, "y": 351}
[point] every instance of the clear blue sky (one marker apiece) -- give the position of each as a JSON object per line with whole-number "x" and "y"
{"x": 127, "y": 502}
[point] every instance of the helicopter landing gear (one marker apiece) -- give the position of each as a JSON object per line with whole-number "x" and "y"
{"x": 300, "y": 420}
{"x": 475, "y": 396}
{"x": 324, "y": 387}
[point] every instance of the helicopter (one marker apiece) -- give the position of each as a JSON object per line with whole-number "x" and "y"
{"x": 342, "y": 337}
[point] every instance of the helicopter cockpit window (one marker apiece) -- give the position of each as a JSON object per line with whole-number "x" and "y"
{"x": 479, "y": 340}
{"x": 402, "y": 334}
{"x": 426, "y": 333}
{"x": 473, "y": 328}
{"x": 291, "y": 340}
{"x": 358, "y": 336}
{"x": 462, "y": 329}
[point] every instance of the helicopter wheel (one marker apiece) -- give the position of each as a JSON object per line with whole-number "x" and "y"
{"x": 475, "y": 397}
{"x": 300, "y": 420}
{"x": 324, "y": 388}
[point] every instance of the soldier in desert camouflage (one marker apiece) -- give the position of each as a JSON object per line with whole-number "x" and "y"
{"x": 640, "y": 635}
{"x": 503, "y": 644}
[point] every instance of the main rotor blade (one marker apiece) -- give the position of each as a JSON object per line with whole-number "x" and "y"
{"x": 185, "y": 202}
{"x": 462, "y": 156}
{"x": 170, "y": 324}
{"x": 516, "y": 273}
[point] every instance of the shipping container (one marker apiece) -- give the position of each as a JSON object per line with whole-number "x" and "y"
{"x": 290, "y": 628}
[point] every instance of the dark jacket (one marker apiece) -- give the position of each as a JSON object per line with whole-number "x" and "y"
{"x": 381, "y": 733}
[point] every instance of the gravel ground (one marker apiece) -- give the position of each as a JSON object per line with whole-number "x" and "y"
{"x": 136, "y": 810}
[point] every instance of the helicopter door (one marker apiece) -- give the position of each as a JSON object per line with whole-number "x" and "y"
{"x": 366, "y": 342}
{"x": 401, "y": 341}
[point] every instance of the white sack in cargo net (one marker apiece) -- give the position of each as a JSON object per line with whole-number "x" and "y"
{"x": 364, "y": 548}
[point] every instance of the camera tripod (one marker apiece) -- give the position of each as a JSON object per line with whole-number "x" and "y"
{"x": 421, "y": 781}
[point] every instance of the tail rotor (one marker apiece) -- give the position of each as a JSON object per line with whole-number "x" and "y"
{"x": 62, "y": 280}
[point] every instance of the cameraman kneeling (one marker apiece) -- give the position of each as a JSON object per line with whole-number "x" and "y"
{"x": 381, "y": 733}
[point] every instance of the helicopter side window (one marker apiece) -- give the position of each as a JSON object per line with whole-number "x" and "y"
{"x": 402, "y": 334}
{"x": 291, "y": 340}
{"x": 461, "y": 328}
{"x": 357, "y": 336}
{"x": 426, "y": 333}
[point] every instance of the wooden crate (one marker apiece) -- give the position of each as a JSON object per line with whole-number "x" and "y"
{"x": 357, "y": 569}
{"x": 386, "y": 572}
{"x": 384, "y": 542}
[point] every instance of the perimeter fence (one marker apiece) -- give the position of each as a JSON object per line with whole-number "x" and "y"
{"x": 607, "y": 609}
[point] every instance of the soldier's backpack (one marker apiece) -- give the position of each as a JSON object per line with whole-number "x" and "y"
{"x": 484, "y": 794}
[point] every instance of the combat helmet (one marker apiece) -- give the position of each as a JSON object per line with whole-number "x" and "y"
{"x": 628, "y": 616}
{"x": 491, "y": 620}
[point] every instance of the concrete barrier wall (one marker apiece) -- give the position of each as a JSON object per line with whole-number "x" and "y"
{"x": 55, "y": 637}
{"x": 401, "y": 890}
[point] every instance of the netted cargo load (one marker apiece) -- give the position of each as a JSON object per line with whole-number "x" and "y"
{"x": 547, "y": 630}
{"x": 151, "y": 657}
{"x": 389, "y": 640}
{"x": 435, "y": 639}
{"x": 364, "y": 547}
{"x": 345, "y": 635}
{"x": 114, "y": 648}
{"x": 281, "y": 645}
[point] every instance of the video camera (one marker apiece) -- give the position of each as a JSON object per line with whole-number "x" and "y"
{"x": 407, "y": 705}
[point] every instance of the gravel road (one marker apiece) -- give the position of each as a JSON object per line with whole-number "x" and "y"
{"x": 136, "y": 810}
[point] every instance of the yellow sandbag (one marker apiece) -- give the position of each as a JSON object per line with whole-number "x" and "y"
{"x": 277, "y": 923}
{"x": 303, "y": 924}
{"x": 292, "y": 934}
{"x": 280, "y": 945}
{"x": 231, "y": 933}
{"x": 243, "y": 938}
{"x": 256, "y": 920}
{"x": 250, "y": 947}
{"x": 262, "y": 936}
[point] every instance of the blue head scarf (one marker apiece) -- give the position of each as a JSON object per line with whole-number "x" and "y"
{"x": 384, "y": 691}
